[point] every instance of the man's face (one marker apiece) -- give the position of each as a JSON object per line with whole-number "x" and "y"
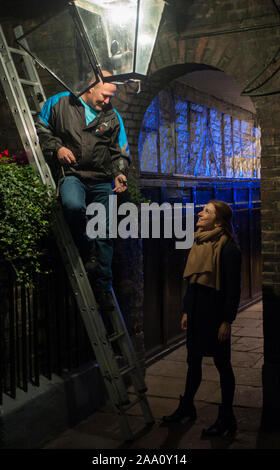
{"x": 101, "y": 95}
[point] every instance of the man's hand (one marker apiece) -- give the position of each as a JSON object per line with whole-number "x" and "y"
{"x": 65, "y": 155}
{"x": 184, "y": 322}
{"x": 224, "y": 331}
{"x": 120, "y": 183}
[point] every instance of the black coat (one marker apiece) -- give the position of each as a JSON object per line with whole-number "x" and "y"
{"x": 207, "y": 308}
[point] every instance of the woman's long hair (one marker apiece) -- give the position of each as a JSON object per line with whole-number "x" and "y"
{"x": 224, "y": 217}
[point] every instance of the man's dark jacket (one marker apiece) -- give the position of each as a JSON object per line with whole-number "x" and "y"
{"x": 96, "y": 147}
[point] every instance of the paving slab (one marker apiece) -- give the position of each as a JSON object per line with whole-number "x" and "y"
{"x": 259, "y": 350}
{"x": 246, "y": 395}
{"x": 258, "y": 364}
{"x": 161, "y": 406}
{"x": 207, "y": 361}
{"x": 248, "y": 322}
{"x": 161, "y": 387}
{"x": 207, "y": 390}
{"x": 250, "y": 332}
{"x": 241, "y": 359}
{"x": 247, "y": 344}
{"x": 248, "y": 419}
{"x": 210, "y": 373}
{"x": 254, "y": 314}
{"x": 235, "y": 330}
{"x": 234, "y": 339}
{"x": 255, "y": 307}
{"x": 189, "y": 439}
{"x": 73, "y": 439}
{"x": 179, "y": 355}
{"x": 248, "y": 376}
{"x": 168, "y": 368}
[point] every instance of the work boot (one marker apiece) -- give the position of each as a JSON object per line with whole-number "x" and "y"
{"x": 184, "y": 410}
{"x": 91, "y": 263}
{"x": 225, "y": 424}
{"x": 104, "y": 299}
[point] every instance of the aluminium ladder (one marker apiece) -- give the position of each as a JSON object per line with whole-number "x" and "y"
{"x": 102, "y": 342}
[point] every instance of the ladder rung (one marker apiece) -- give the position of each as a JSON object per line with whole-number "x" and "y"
{"x": 127, "y": 369}
{"x": 116, "y": 336}
{"x": 28, "y": 82}
{"x": 17, "y": 51}
{"x": 132, "y": 403}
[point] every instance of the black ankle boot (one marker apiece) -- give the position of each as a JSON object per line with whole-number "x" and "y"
{"x": 184, "y": 410}
{"x": 224, "y": 426}
{"x": 104, "y": 299}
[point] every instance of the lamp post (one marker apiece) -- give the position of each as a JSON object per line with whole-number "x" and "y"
{"x": 91, "y": 36}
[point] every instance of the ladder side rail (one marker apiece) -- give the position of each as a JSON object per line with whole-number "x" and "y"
{"x": 23, "y": 118}
{"x": 126, "y": 344}
{"x": 136, "y": 373}
{"x": 21, "y": 113}
{"x": 32, "y": 72}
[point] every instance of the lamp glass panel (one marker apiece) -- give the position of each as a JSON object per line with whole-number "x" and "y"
{"x": 57, "y": 46}
{"x": 150, "y": 13}
{"x": 110, "y": 26}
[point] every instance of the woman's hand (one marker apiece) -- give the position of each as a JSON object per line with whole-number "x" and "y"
{"x": 224, "y": 331}
{"x": 184, "y": 322}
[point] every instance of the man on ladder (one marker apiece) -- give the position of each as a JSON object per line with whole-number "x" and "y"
{"x": 86, "y": 136}
{"x": 97, "y": 127}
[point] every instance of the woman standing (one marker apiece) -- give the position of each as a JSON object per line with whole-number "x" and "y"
{"x": 213, "y": 271}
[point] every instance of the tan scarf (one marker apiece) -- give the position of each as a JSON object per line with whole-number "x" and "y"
{"x": 203, "y": 264}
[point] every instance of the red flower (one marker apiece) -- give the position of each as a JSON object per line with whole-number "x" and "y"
{"x": 4, "y": 154}
{"x": 19, "y": 158}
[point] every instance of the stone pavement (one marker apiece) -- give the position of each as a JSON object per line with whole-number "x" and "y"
{"x": 165, "y": 380}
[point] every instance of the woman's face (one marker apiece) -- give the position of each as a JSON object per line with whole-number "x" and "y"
{"x": 207, "y": 217}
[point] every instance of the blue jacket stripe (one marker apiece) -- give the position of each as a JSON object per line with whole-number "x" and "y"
{"x": 123, "y": 143}
{"x": 49, "y": 104}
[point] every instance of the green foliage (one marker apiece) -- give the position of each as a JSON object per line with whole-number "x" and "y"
{"x": 133, "y": 193}
{"x": 25, "y": 218}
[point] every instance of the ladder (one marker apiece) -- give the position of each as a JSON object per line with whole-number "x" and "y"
{"x": 101, "y": 341}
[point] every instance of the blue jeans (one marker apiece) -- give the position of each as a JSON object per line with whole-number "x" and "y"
{"x": 75, "y": 197}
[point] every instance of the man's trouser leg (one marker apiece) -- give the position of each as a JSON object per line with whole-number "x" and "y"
{"x": 100, "y": 193}
{"x": 73, "y": 197}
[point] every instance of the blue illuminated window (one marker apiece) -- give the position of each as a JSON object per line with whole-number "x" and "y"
{"x": 185, "y": 138}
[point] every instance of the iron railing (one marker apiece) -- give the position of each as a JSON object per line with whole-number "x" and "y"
{"x": 41, "y": 331}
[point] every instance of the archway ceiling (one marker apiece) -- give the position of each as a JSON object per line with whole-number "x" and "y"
{"x": 220, "y": 85}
